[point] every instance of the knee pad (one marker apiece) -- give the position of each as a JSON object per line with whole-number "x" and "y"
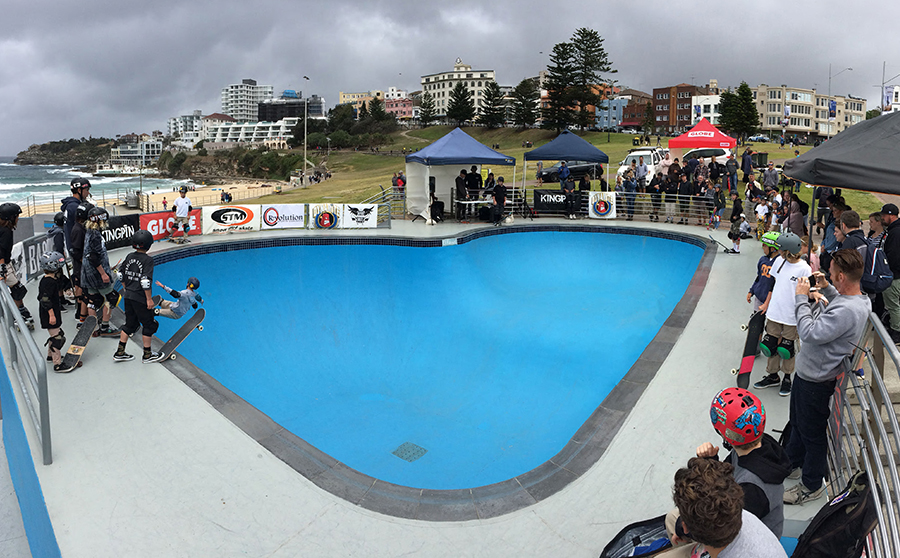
{"x": 185, "y": 227}
{"x": 730, "y": 235}
{"x": 18, "y": 291}
{"x": 768, "y": 345}
{"x": 57, "y": 341}
{"x": 112, "y": 298}
{"x": 151, "y": 328}
{"x": 786, "y": 349}
{"x": 95, "y": 300}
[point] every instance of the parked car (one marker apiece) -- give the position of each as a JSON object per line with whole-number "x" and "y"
{"x": 652, "y": 157}
{"x": 759, "y": 138}
{"x": 577, "y": 168}
{"x": 707, "y": 153}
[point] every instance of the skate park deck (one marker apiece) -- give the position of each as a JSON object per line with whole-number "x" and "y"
{"x": 145, "y": 465}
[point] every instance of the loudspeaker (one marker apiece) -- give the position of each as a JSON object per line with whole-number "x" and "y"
{"x": 431, "y": 184}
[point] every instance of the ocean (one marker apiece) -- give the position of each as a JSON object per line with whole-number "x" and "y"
{"x": 50, "y": 183}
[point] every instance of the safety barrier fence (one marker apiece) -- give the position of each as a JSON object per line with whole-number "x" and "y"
{"x": 392, "y": 198}
{"x": 30, "y": 368}
{"x": 49, "y": 203}
{"x": 200, "y": 199}
{"x": 863, "y": 434}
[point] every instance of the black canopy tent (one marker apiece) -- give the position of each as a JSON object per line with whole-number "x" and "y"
{"x": 566, "y": 147}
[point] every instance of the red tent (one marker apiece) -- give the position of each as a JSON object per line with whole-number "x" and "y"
{"x": 703, "y": 134}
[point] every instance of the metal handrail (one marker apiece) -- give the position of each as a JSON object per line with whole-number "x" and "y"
{"x": 28, "y": 363}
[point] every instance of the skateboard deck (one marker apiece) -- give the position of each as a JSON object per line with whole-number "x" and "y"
{"x": 726, "y": 248}
{"x": 754, "y": 329}
{"x": 76, "y": 347}
{"x": 168, "y": 349}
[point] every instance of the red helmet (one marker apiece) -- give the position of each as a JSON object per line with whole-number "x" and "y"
{"x": 738, "y": 416}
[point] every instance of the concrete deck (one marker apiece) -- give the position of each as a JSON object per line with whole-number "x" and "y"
{"x": 145, "y": 466}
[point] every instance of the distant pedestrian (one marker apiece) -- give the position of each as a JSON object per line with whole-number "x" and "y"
{"x": 165, "y": 204}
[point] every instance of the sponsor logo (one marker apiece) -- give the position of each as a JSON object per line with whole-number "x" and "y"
{"x": 553, "y": 198}
{"x": 700, "y": 134}
{"x": 160, "y": 224}
{"x": 232, "y": 216}
{"x": 326, "y": 220}
{"x": 360, "y": 215}
{"x": 602, "y": 207}
{"x": 270, "y": 216}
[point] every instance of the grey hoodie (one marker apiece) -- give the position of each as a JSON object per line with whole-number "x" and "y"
{"x": 828, "y": 335}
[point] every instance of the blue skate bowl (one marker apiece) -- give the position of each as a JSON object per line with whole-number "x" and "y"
{"x": 433, "y": 371}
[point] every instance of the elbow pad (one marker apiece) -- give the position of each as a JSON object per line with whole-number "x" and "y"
{"x": 146, "y": 284}
{"x": 190, "y": 208}
{"x": 175, "y": 294}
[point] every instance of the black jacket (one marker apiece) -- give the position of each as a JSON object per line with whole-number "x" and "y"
{"x": 892, "y": 247}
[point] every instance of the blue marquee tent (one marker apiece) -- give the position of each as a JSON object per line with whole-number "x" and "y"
{"x": 567, "y": 146}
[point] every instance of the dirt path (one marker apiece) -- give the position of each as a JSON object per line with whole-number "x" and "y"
{"x": 405, "y": 133}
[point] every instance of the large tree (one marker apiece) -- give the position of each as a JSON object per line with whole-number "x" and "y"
{"x": 738, "y": 111}
{"x": 426, "y": 110}
{"x": 461, "y": 108}
{"x": 525, "y": 103}
{"x": 648, "y": 118}
{"x": 363, "y": 112}
{"x": 376, "y": 110}
{"x": 558, "y": 113}
{"x": 590, "y": 62}
{"x": 340, "y": 118}
{"x": 493, "y": 106}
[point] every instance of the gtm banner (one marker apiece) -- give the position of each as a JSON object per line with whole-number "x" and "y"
{"x": 230, "y": 218}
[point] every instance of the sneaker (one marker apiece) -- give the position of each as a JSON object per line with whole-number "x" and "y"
{"x": 79, "y": 323}
{"x": 796, "y": 473}
{"x": 152, "y": 357}
{"x": 798, "y": 495}
{"x": 122, "y": 357}
{"x": 769, "y": 380}
{"x": 785, "y": 387}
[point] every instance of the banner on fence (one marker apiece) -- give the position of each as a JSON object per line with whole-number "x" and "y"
{"x": 230, "y": 218}
{"x": 121, "y": 228}
{"x": 325, "y": 215}
{"x": 549, "y": 200}
{"x": 26, "y": 256}
{"x": 160, "y": 223}
{"x": 360, "y": 216}
{"x": 283, "y": 216}
{"x": 602, "y": 205}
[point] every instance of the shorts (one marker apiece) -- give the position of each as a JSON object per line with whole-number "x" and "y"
{"x": 137, "y": 314}
{"x": 183, "y": 221}
{"x": 76, "y": 273}
{"x": 103, "y": 290}
{"x": 11, "y": 277}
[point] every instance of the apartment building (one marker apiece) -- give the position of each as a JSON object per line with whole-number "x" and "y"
{"x": 672, "y": 106}
{"x": 241, "y": 100}
{"x": 805, "y": 112}
{"x": 135, "y": 152}
{"x": 273, "y": 135}
{"x": 633, "y": 112}
{"x": 402, "y": 109}
{"x": 273, "y": 110}
{"x": 441, "y": 84}
{"x": 705, "y": 106}
{"x": 186, "y": 127}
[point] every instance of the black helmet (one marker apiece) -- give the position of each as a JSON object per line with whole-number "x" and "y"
{"x": 79, "y": 183}
{"x": 193, "y": 283}
{"x": 9, "y": 211}
{"x": 183, "y": 189}
{"x": 98, "y": 214}
{"x": 52, "y": 261}
{"x": 81, "y": 213}
{"x": 59, "y": 219}
{"x": 141, "y": 240}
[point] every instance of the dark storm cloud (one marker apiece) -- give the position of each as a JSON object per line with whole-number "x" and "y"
{"x": 102, "y": 68}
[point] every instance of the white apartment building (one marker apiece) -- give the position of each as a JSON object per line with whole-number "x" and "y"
{"x": 143, "y": 153}
{"x": 705, "y": 106}
{"x": 394, "y": 93}
{"x": 891, "y": 98}
{"x": 188, "y": 124}
{"x": 273, "y": 135}
{"x": 241, "y": 100}
{"x": 805, "y": 112}
{"x": 440, "y": 85}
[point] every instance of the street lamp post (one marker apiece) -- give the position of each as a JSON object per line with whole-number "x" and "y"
{"x": 328, "y": 150}
{"x": 305, "y": 118}
{"x": 829, "y": 96}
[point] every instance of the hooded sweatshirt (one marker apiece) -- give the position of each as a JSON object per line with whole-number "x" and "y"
{"x": 761, "y": 474}
{"x": 69, "y": 206}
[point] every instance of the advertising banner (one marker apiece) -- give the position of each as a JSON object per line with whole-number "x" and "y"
{"x": 360, "y": 216}
{"x": 602, "y": 205}
{"x": 888, "y": 98}
{"x": 160, "y": 223}
{"x": 220, "y": 219}
{"x": 832, "y": 109}
{"x": 283, "y": 216}
{"x": 121, "y": 228}
{"x": 325, "y": 215}
{"x": 26, "y": 256}
{"x": 549, "y": 200}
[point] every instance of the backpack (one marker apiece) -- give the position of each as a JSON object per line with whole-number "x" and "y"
{"x": 877, "y": 275}
{"x": 804, "y": 207}
{"x": 644, "y": 538}
{"x": 840, "y": 528}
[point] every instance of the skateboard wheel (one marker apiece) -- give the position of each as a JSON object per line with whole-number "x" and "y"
{"x": 734, "y": 371}
{"x": 743, "y": 327}
{"x": 172, "y": 357}
{"x": 199, "y": 328}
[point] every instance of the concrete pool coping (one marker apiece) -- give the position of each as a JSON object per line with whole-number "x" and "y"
{"x": 576, "y": 457}
{"x": 144, "y": 466}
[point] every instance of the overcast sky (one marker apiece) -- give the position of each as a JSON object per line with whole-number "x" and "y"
{"x": 101, "y": 68}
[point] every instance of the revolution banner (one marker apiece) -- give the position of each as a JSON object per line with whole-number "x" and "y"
{"x": 360, "y": 216}
{"x": 283, "y": 216}
{"x": 121, "y": 228}
{"x": 160, "y": 223}
{"x": 602, "y": 205}
{"x": 220, "y": 219}
{"x": 325, "y": 215}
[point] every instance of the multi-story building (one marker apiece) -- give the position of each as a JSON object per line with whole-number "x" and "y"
{"x": 273, "y": 110}
{"x": 672, "y": 109}
{"x": 241, "y": 100}
{"x": 394, "y": 93}
{"x": 402, "y": 109}
{"x": 610, "y": 111}
{"x": 273, "y": 135}
{"x": 706, "y": 106}
{"x": 355, "y": 98}
{"x": 135, "y": 153}
{"x": 185, "y": 130}
{"x": 633, "y": 112}
{"x": 441, "y": 84}
{"x": 805, "y": 113}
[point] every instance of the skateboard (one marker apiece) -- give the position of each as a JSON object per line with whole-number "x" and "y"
{"x": 754, "y": 329}
{"x": 76, "y": 347}
{"x": 726, "y": 248}
{"x": 168, "y": 349}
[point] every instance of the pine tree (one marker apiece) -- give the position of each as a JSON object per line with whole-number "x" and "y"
{"x": 426, "y": 110}
{"x": 647, "y": 120}
{"x": 376, "y": 110}
{"x": 524, "y": 103}
{"x": 560, "y": 78}
{"x": 461, "y": 108}
{"x": 738, "y": 112}
{"x": 493, "y": 108}
{"x": 363, "y": 112}
{"x": 589, "y": 62}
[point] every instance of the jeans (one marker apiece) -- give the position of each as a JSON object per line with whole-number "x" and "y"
{"x": 719, "y": 213}
{"x": 629, "y": 199}
{"x": 891, "y": 297}
{"x": 732, "y": 182}
{"x": 808, "y": 444}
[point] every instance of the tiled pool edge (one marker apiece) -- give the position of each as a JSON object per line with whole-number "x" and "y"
{"x": 577, "y": 456}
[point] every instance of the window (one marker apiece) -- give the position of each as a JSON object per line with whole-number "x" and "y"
{"x": 479, "y": 84}
{"x": 705, "y": 109}
{"x": 468, "y": 75}
{"x": 754, "y": 94}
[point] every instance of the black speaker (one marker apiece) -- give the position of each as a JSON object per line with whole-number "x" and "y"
{"x": 431, "y": 184}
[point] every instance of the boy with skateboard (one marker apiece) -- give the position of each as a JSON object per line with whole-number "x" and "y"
{"x": 76, "y": 250}
{"x": 136, "y": 275}
{"x": 49, "y": 306}
{"x": 96, "y": 274}
{"x": 178, "y": 308}
{"x": 779, "y": 343}
{"x": 761, "y": 290}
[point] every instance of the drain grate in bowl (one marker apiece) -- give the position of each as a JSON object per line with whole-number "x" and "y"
{"x": 408, "y": 451}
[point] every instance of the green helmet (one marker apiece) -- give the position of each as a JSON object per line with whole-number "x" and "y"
{"x": 789, "y": 242}
{"x": 770, "y": 239}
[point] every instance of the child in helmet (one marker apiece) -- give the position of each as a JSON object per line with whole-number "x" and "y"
{"x": 9, "y": 218}
{"x": 734, "y": 233}
{"x": 760, "y": 463}
{"x": 761, "y": 290}
{"x": 58, "y": 241}
{"x": 136, "y": 275}
{"x": 49, "y": 307}
{"x": 779, "y": 342}
{"x": 96, "y": 276}
{"x": 76, "y": 236}
{"x": 178, "y": 308}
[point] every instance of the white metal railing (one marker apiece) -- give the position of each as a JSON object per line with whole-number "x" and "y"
{"x": 25, "y": 359}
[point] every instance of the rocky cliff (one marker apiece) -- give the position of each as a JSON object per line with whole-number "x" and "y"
{"x": 64, "y": 153}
